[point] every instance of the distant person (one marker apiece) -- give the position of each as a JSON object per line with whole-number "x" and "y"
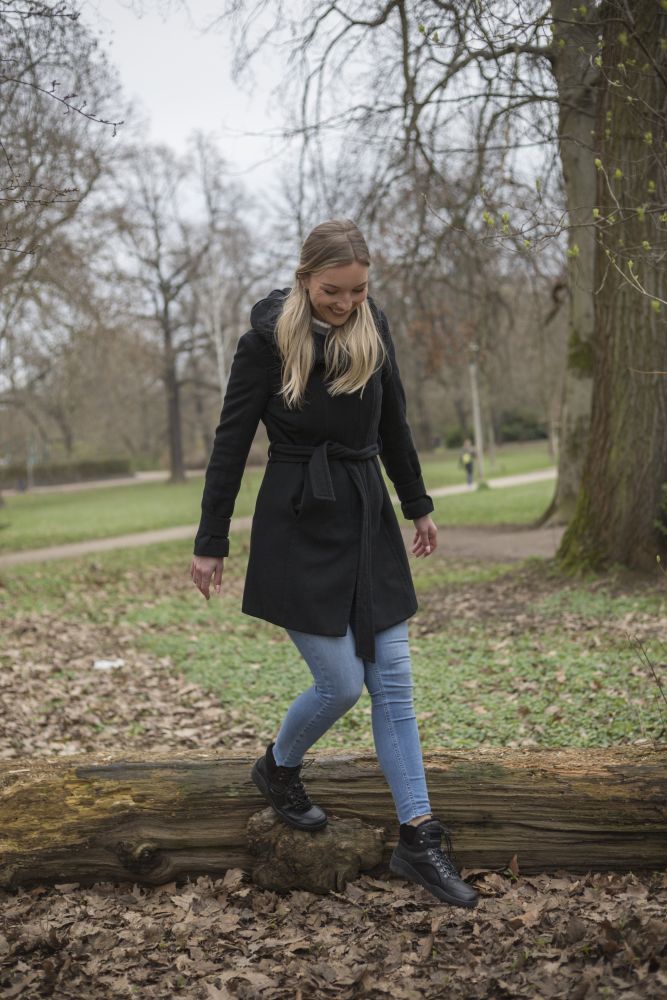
{"x": 327, "y": 560}
{"x": 467, "y": 460}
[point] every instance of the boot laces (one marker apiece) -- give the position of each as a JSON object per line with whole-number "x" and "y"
{"x": 443, "y": 862}
{"x": 295, "y": 792}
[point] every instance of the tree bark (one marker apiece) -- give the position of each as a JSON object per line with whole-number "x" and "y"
{"x": 578, "y": 89}
{"x": 164, "y": 817}
{"x": 174, "y": 425}
{"x": 621, "y": 504}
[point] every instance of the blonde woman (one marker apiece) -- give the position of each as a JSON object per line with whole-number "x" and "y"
{"x": 327, "y": 560}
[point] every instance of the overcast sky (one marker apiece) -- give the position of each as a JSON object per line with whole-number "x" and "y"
{"x": 179, "y": 79}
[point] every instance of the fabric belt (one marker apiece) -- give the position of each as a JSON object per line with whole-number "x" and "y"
{"x": 318, "y": 457}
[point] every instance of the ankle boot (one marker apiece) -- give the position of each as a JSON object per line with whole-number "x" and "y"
{"x": 419, "y": 858}
{"x": 285, "y": 792}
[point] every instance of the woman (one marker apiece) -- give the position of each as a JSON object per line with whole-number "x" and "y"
{"x": 327, "y": 560}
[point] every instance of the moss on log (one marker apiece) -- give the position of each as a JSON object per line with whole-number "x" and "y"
{"x": 167, "y": 817}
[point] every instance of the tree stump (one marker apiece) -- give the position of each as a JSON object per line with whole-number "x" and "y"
{"x": 325, "y": 859}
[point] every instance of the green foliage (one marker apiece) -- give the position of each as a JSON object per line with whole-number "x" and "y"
{"x": 52, "y": 473}
{"x": 519, "y": 425}
{"x": 455, "y": 437}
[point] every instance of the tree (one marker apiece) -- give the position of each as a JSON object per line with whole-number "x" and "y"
{"x": 621, "y": 514}
{"x": 504, "y": 73}
{"x": 176, "y": 222}
{"x": 41, "y": 45}
{"x": 51, "y": 164}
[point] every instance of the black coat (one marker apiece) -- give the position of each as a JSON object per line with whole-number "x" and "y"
{"x": 325, "y": 547}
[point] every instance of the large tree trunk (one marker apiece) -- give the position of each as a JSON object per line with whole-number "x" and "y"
{"x": 164, "y": 817}
{"x": 620, "y": 505}
{"x": 578, "y": 87}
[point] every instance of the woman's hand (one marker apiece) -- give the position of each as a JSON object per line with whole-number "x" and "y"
{"x": 425, "y": 540}
{"x": 203, "y": 568}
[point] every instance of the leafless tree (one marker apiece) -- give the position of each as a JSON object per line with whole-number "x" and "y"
{"x": 48, "y": 61}
{"x": 435, "y": 86}
{"x": 179, "y": 265}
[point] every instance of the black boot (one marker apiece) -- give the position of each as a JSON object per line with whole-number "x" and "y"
{"x": 419, "y": 857}
{"x": 284, "y": 790}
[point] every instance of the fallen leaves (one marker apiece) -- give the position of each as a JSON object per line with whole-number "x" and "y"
{"x": 564, "y": 936}
{"x": 554, "y": 935}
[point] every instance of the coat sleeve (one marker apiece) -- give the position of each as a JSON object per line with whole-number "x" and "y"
{"x": 245, "y": 399}
{"x": 398, "y": 452}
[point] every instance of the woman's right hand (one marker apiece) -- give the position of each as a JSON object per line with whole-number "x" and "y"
{"x": 202, "y": 569}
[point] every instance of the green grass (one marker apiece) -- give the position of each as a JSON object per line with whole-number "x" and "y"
{"x": 441, "y": 468}
{"x": 476, "y": 680}
{"x": 499, "y": 505}
{"x": 42, "y": 519}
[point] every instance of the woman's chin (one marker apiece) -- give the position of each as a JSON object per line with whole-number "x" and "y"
{"x": 337, "y": 320}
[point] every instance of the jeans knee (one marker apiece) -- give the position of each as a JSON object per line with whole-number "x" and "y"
{"x": 341, "y": 699}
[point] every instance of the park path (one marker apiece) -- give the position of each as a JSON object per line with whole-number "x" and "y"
{"x": 489, "y": 542}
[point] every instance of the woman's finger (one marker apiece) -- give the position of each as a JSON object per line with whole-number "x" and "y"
{"x": 218, "y": 576}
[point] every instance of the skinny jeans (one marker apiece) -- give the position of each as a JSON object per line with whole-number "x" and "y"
{"x": 339, "y": 678}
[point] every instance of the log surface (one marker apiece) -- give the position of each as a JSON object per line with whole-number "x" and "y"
{"x": 165, "y": 817}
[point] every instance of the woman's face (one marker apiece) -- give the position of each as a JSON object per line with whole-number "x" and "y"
{"x": 337, "y": 291}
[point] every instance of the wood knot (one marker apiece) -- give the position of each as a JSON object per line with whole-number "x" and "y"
{"x": 138, "y": 858}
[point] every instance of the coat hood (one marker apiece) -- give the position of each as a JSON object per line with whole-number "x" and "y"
{"x": 264, "y": 314}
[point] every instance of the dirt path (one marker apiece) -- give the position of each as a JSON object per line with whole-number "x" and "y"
{"x": 496, "y": 543}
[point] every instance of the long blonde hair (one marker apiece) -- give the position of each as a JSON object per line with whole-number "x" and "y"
{"x": 353, "y": 351}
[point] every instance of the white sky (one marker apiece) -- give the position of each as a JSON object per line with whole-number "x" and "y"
{"x": 179, "y": 79}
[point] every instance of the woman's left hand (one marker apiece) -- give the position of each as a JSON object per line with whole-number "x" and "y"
{"x": 425, "y": 540}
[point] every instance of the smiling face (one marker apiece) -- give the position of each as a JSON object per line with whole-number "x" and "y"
{"x": 335, "y": 292}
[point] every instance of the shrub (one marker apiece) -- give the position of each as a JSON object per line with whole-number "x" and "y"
{"x": 518, "y": 425}
{"x": 52, "y": 473}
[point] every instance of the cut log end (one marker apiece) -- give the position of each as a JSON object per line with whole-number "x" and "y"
{"x": 319, "y": 861}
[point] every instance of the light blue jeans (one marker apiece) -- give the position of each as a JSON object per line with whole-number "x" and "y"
{"x": 340, "y": 676}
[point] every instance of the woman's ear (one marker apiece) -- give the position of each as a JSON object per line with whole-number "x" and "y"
{"x": 305, "y": 281}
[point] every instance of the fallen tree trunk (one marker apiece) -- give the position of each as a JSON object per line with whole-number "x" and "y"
{"x": 166, "y": 817}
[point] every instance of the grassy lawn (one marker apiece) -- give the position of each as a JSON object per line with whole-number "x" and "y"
{"x": 42, "y": 519}
{"x": 503, "y": 654}
{"x": 441, "y": 467}
{"x": 501, "y": 505}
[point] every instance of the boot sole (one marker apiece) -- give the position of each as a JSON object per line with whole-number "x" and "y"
{"x": 403, "y": 868}
{"x": 258, "y": 779}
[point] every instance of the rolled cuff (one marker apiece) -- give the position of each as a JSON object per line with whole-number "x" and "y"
{"x": 412, "y": 509}
{"x": 211, "y": 545}
{"x": 415, "y": 501}
{"x": 209, "y": 524}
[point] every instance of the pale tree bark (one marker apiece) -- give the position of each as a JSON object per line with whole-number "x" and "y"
{"x": 578, "y": 84}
